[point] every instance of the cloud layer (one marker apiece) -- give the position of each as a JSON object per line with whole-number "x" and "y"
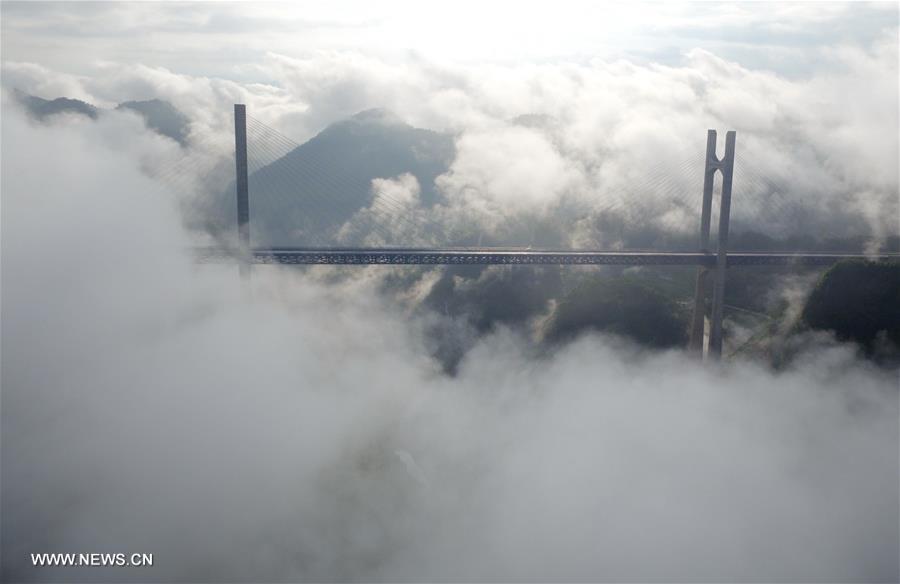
{"x": 296, "y": 430}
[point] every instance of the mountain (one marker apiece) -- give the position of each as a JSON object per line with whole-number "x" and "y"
{"x": 860, "y": 302}
{"x": 41, "y": 108}
{"x": 622, "y": 305}
{"x": 160, "y": 116}
{"x": 318, "y": 186}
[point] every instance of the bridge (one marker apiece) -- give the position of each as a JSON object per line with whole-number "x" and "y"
{"x": 396, "y": 256}
{"x": 706, "y": 325}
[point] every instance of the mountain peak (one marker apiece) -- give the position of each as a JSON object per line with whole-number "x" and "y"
{"x": 40, "y": 108}
{"x": 378, "y": 115}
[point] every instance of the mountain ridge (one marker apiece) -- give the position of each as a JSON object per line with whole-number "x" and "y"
{"x": 159, "y": 115}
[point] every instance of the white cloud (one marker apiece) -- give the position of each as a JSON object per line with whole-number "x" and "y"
{"x": 612, "y": 137}
{"x": 393, "y": 216}
{"x": 610, "y": 130}
{"x": 507, "y": 169}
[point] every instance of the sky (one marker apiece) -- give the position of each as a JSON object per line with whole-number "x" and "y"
{"x": 297, "y": 428}
{"x": 228, "y": 39}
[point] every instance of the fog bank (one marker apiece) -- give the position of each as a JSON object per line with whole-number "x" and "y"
{"x": 298, "y": 430}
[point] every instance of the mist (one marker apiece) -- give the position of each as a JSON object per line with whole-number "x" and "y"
{"x": 297, "y": 429}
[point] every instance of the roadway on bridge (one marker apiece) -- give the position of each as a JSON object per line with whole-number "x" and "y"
{"x": 515, "y": 256}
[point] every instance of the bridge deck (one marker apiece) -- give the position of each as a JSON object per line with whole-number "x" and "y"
{"x": 514, "y": 256}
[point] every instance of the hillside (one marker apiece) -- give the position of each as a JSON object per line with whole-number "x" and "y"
{"x": 159, "y": 116}
{"x": 859, "y": 302}
{"x": 41, "y": 108}
{"x": 315, "y": 188}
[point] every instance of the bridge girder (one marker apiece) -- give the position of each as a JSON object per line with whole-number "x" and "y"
{"x": 387, "y": 256}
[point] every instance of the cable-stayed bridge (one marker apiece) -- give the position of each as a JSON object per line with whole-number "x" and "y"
{"x": 321, "y": 222}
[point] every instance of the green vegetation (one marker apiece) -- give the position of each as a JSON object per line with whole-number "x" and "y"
{"x": 624, "y": 306}
{"x": 857, "y": 300}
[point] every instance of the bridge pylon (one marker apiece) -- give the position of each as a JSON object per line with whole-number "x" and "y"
{"x": 706, "y": 324}
{"x": 242, "y": 186}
